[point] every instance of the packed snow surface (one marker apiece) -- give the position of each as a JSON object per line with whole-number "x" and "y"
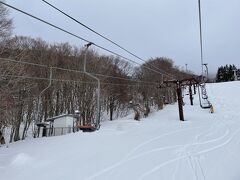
{"x": 204, "y": 147}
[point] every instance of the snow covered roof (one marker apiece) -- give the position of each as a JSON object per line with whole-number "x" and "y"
{"x": 60, "y": 116}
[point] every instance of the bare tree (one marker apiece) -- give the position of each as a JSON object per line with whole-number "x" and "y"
{"x": 5, "y": 32}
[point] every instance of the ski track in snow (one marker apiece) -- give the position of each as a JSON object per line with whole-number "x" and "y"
{"x": 175, "y": 146}
{"x": 177, "y": 167}
{"x": 194, "y": 161}
{"x": 219, "y": 131}
{"x": 195, "y": 164}
{"x": 156, "y": 168}
{"x": 191, "y": 159}
{"x": 128, "y": 158}
{"x": 157, "y": 138}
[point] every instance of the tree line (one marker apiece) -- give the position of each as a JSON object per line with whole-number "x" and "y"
{"x": 227, "y": 73}
{"x": 22, "y": 84}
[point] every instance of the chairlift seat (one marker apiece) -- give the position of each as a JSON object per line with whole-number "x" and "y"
{"x": 206, "y": 104}
{"x": 205, "y": 97}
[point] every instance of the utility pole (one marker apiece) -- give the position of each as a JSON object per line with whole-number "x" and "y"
{"x": 186, "y": 67}
{"x": 98, "y": 85}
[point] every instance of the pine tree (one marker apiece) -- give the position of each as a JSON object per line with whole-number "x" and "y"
{"x": 225, "y": 73}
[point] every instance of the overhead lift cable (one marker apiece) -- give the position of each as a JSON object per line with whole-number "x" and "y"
{"x": 77, "y": 71}
{"x": 104, "y": 37}
{"x": 23, "y": 62}
{"x": 83, "y": 39}
{"x": 66, "y": 80}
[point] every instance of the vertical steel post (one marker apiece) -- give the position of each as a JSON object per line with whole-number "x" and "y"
{"x": 199, "y": 96}
{"x": 180, "y": 101}
{"x": 98, "y": 85}
{"x": 194, "y": 88}
{"x": 205, "y": 64}
{"x": 200, "y": 33}
{"x": 38, "y": 105}
{"x": 190, "y": 94}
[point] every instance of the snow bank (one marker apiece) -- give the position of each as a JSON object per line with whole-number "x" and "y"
{"x": 205, "y": 146}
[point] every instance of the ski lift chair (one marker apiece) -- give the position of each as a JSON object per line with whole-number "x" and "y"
{"x": 204, "y": 96}
{"x": 206, "y": 104}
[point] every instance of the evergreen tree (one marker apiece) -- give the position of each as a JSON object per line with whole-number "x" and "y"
{"x": 225, "y": 73}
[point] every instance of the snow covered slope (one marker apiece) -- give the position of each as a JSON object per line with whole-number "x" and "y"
{"x": 204, "y": 147}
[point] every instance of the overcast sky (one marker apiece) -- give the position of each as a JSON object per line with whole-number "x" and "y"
{"x": 148, "y": 28}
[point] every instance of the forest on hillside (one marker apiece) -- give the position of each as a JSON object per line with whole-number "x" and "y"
{"x": 39, "y": 80}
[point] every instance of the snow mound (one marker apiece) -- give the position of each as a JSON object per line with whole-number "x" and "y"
{"x": 205, "y": 147}
{"x": 21, "y": 159}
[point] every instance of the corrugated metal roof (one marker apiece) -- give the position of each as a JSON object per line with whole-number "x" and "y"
{"x": 60, "y": 116}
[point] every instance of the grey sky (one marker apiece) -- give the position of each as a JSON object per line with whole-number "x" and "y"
{"x": 148, "y": 28}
